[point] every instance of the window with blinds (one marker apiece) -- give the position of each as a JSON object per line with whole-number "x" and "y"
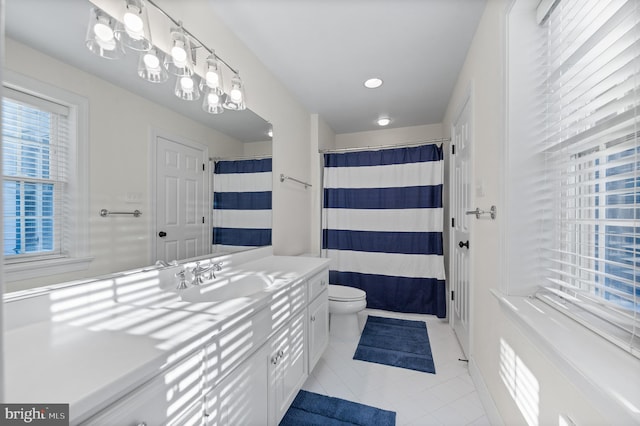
{"x": 592, "y": 162}
{"x": 34, "y": 146}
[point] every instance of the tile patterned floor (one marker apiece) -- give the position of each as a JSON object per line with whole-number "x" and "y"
{"x": 445, "y": 398}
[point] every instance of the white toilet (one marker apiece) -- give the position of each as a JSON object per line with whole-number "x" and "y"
{"x": 344, "y": 305}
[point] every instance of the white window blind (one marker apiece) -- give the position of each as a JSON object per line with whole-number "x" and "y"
{"x": 592, "y": 166}
{"x": 35, "y": 137}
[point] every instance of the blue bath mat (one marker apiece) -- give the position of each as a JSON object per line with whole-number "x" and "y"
{"x": 310, "y": 408}
{"x": 396, "y": 342}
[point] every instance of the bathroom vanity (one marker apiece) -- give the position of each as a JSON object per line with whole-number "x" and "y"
{"x": 131, "y": 349}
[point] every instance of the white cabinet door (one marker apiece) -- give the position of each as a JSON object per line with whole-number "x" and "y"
{"x": 287, "y": 366}
{"x": 169, "y": 399}
{"x": 318, "y": 328}
{"x": 241, "y": 398}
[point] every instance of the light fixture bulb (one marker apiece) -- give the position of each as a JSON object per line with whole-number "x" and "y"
{"x": 133, "y": 31}
{"x": 178, "y": 54}
{"x": 103, "y": 32}
{"x": 102, "y": 38}
{"x": 212, "y": 79}
{"x": 212, "y": 98}
{"x": 187, "y": 84}
{"x": 236, "y": 95}
{"x": 133, "y": 23}
{"x": 383, "y": 121}
{"x": 151, "y": 60}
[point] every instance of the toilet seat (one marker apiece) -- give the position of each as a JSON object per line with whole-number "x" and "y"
{"x": 341, "y": 293}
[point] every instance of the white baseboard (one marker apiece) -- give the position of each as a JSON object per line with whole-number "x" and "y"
{"x": 483, "y": 393}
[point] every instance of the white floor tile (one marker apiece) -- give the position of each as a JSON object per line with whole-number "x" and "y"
{"x": 419, "y": 399}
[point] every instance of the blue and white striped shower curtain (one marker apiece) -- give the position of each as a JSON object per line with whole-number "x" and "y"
{"x": 241, "y": 204}
{"x": 382, "y": 226}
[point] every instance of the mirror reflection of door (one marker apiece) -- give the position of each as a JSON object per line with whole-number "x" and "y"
{"x": 182, "y": 217}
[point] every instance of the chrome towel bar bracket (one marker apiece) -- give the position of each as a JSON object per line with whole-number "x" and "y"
{"x": 477, "y": 212}
{"x": 105, "y": 213}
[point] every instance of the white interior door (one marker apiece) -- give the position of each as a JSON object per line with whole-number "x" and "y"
{"x": 460, "y": 246}
{"x": 182, "y": 218}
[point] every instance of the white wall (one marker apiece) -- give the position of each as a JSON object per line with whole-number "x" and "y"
{"x": 493, "y": 334}
{"x": 267, "y": 97}
{"x": 254, "y": 149}
{"x": 397, "y": 136}
{"x": 322, "y": 137}
{"x": 120, "y": 125}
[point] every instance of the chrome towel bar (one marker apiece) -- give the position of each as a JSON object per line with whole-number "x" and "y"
{"x": 105, "y": 213}
{"x": 283, "y": 177}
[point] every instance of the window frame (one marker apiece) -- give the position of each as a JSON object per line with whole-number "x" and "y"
{"x": 75, "y": 255}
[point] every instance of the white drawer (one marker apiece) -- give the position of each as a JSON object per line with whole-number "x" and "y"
{"x": 318, "y": 283}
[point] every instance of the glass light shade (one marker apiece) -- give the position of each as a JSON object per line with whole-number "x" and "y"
{"x": 213, "y": 75}
{"x": 179, "y": 61}
{"x": 101, "y": 38}
{"x": 150, "y": 66}
{"x": 186, "y": 88}
{"x": 212, "y": 101}
{"x": 235, "y": 99}
{"x": 133, "y": 31}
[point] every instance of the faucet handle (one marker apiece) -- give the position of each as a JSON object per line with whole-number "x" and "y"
{"x": 183, "y": 280}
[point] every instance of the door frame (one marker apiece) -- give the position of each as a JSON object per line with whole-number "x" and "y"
{"x": 467, "y": 99}
{"x": 154, "y": 134}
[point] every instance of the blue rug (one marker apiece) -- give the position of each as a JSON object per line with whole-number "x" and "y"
{"x": 312, "y": 409}
{"x": 396, "y": 342}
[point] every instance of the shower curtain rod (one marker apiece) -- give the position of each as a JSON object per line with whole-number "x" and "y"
{"x": 249, "y": 157}
{"x": 368, "y": 148}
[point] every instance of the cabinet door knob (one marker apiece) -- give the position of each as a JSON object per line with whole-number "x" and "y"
{"x": 274, "y": 359}
{"x": 313, "y": 317}
{"x": 322, "y": 283}
{"x": 280, "y": 353}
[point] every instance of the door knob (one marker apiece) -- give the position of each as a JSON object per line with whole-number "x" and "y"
{"x": 461, "y": 244}
{"x": 162, "y": 234}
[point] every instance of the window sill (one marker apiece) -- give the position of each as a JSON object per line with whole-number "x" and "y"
{"x": 579, "y": 353}
{"x": 40, "y": 268}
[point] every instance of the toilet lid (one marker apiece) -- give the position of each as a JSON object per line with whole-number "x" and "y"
{"x": 345, "y": 294}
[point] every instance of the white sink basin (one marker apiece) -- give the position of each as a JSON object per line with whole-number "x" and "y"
{"x": 227, "y": 288}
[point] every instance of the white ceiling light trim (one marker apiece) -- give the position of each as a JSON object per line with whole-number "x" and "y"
{"x": 384, "y": 121}
{"x": 373, "y": 83}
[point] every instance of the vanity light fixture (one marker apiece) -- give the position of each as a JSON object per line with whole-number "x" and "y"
{"x": 107, "y": 34}
{"x": 101, "y": 38}
{"x": 235, "y": 99}
{"x": 384, "y": 121}
{"x": 373, "y": 83}
{"x": 133, "y": 31}
{"x": 150, "y": 66}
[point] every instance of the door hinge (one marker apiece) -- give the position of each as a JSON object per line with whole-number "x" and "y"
{"x": 453, "y": 222}
{"x": 452, "y": 298}
{"x": 202, "y": 219}
{"x": 203, "y": 169}
{"x": 453, "y": 149}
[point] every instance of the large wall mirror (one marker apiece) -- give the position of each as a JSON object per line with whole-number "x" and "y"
{"x": 45, "y": 41}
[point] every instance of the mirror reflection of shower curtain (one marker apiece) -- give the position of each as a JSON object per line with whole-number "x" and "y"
{"x": 382, "y": 226}
{"x": 241, "y": 204}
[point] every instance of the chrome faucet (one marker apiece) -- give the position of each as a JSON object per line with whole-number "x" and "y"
{"x": 199, "y": 271}
{"x": 182, "y": 284}
{"x": 164, "y": 264}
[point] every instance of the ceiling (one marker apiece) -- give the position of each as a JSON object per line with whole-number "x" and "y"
{"x": 323, "y": 51}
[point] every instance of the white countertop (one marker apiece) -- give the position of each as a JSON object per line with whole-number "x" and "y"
{"x": 88, "y": 361}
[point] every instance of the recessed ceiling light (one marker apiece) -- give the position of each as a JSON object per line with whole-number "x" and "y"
{"x": 373, "y": 83}
{"x": 383, "y": 121}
